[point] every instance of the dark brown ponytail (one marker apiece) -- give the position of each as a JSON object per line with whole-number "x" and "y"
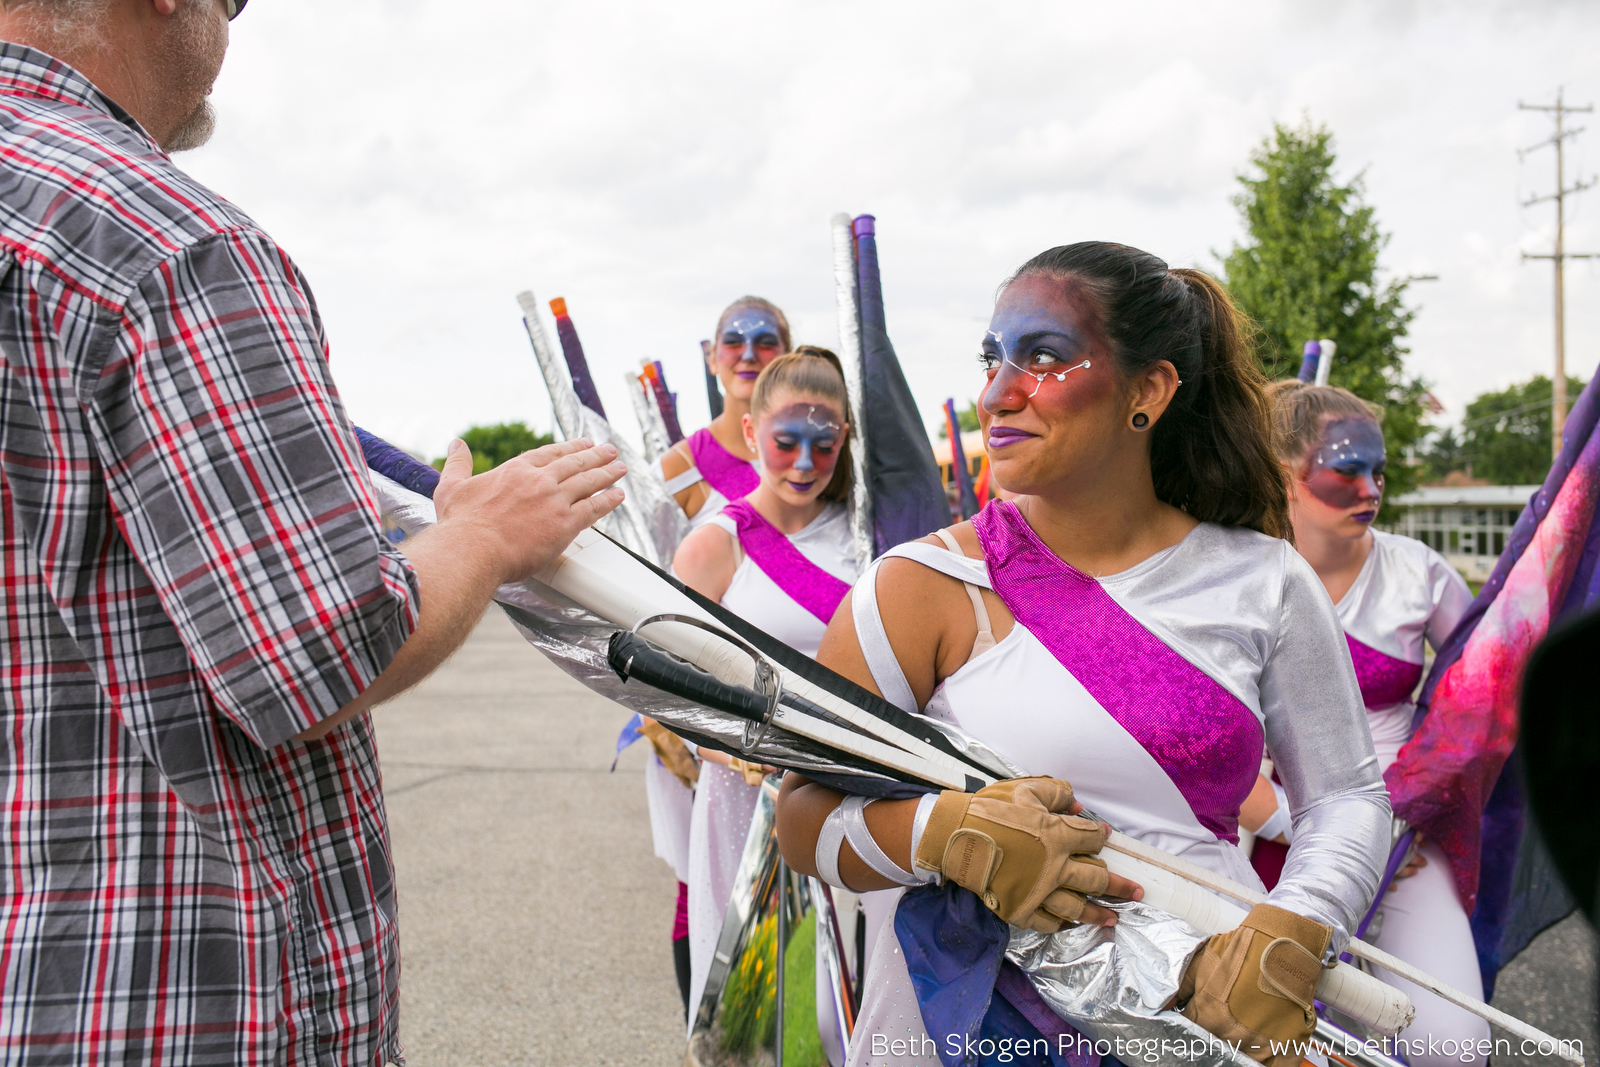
{"x": 1210, "y": 452}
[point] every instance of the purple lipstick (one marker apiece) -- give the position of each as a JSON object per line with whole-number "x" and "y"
{"x": 1001, "y": 436}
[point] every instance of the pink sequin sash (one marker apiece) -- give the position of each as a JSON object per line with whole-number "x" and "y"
{"x": 1206, "y": 740}
{"x": 806, "y": 583}
{"x": 1385, "y": 681}
{"x": 727, "y": 473}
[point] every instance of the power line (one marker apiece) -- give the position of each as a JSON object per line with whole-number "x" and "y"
{"x": 1559, "y": 257}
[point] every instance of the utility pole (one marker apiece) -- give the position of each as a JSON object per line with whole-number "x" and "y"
{"x": 1559, "y": 111}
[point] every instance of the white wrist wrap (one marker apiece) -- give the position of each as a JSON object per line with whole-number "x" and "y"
{"x": 866, "y": 846}
{"x": 828, "y": 842}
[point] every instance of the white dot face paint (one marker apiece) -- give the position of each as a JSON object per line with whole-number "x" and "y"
{"x": 750, "y": 339}
{"x": 799, "y": 445}
{"x": 1032, "y": 355}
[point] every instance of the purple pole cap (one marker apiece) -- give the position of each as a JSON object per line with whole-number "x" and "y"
{"x": 1308, "y": 365}
{"x": 864, "y": 226}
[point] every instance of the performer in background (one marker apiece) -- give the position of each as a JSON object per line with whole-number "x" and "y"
{"x": 781, "y": 558}
{"x": 703, "y": 472}
{"x": 713, "y": 466}
{"x": 1390, "y": 593}
{"x": 1133, "y": 624}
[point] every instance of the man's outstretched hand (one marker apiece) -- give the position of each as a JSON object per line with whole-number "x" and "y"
{"x": 521, "y": 515}
{"x": 496, "y": 527}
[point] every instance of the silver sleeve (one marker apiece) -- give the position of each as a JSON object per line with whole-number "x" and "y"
{"x": 1318, "y": 738}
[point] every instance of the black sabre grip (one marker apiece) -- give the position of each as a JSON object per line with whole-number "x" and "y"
{"x": 632, "y": 657}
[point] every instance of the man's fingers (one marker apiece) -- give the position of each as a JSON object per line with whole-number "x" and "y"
{"x": 457, "y": 463}
{"x": 597, "y": 507}
{"x": 563, "y": 467}
{"x": 586, "y": 484}
{"x": 545, "y": 455}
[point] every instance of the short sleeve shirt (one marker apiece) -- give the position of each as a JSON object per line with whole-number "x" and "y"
{"x": 193, "y": 573}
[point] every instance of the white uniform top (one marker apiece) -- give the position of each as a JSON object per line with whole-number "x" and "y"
{"x": 1406, "y": 593}
{"x": 1221, "y": 598}
{"x": 714, "y": 503}
{"x": 756, "y": 598}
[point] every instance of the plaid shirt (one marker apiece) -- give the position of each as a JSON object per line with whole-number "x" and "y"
{"x": 193, "y": 573}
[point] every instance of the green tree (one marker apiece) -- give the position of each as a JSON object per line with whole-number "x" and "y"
{"x": 1309, "y": 269}
{"x": 1505, "y": 436}
{"x": 493, "y": 445}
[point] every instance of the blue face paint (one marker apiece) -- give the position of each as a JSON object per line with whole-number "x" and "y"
{"x": 1346, "y": 468}
{"x": 1027, "y": 348}
{"x": 750, "y": 339}
{"x": 800, "y": 444}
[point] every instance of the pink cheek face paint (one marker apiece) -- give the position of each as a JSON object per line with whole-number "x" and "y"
{"x": 749, "y": 341}
{"x": 1037, "y": 354}
{"x": 1346, "y": 469}
{"x": 800, "y": 444}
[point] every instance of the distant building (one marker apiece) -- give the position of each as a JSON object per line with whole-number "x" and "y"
{"x": 1467, "y": 524}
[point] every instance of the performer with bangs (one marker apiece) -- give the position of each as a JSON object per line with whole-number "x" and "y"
{"x": 715, "y": 465}
{"x": 1391, "y": 593}
{"x": 1132, "y": 625}
{"x": 782, "y": 558}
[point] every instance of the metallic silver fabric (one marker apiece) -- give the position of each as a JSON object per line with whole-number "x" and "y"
{"x": 1112, "y": 984}
{"x": 648, "y": 521}
{"x": 1277, "y": 645}
{"x": 652, "y": 427}
{"x": 576, "y": 640}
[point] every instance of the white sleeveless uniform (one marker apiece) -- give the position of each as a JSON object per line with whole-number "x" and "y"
{"x": 1407, "y": 593}
{"x": 1220, "y": 598}
{"x": 714, "y": 503}
{"x": 723, "y": 802}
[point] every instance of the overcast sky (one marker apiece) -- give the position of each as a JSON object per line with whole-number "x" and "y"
{"x": 425, "y": 160}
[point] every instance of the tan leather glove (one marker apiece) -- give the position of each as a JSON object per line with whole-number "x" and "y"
{"x": 1014, "y": 845}
{"x": 752, "y": 773}
{"x": 1255, "y": 984}
{"x": 671, "y": 751}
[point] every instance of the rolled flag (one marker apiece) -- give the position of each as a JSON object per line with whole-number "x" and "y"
{"x": 666, "y": 402}
{"x": 855, "y": 376}
{"x": 613, "y": 621}
{"x": 1325, "y": 350}
{"x": 577, "y": 364}
{"x": 958, "y": 463}
{"x": 1455, "y": 779}
{"x": 907, "y": 494}
{"x": 713, "y": 393}
{"x": 651, "y": 429}
{"x": 648, "y": 520}
{"x": 1308, "y": 364}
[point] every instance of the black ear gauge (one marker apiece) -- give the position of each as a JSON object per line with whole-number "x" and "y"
{"x": 1140, "y": 420}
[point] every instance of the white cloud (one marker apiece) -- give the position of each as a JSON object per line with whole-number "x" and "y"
{"x": 651, "y": 162}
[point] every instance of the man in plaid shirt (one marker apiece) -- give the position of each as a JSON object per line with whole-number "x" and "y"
{"x": 198, "y": 604}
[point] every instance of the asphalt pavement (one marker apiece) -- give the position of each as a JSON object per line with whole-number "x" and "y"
{"x": 535, "y": 918}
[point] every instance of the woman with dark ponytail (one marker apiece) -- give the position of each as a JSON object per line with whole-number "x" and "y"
{"x": 1134, "y": 623}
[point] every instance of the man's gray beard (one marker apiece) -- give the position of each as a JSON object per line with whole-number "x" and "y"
{"x": 194, "y": 131}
